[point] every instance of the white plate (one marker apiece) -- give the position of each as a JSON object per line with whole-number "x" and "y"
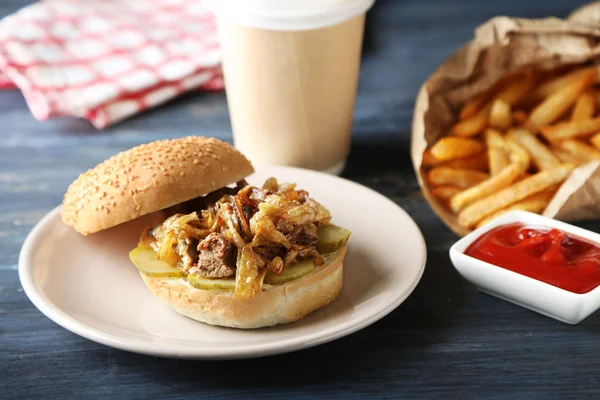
{"x": 89, "y": 286}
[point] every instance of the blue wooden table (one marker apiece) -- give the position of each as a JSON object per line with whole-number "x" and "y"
{"x": 446, "y": 341}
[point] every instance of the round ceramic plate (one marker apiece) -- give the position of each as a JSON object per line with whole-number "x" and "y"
{"x": 89, "y": 286}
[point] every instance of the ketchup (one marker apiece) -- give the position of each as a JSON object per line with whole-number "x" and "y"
{"x": 548, "y": 255}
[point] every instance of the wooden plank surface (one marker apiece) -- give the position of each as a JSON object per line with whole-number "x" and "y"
{"x": 446, "y": 341}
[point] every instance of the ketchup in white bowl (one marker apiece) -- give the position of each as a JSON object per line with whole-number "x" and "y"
{"x": 539, "y": 263}
{"x": 548, "y": 255}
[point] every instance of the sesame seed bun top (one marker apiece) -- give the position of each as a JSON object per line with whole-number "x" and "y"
{"x": 148, "y": 178}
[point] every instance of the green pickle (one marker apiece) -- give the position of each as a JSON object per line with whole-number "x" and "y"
{"x": 146, "y": 261}
{"x": 290, "y": 273}
{"x": 200, "y": 282}
{"x": 325, "y": 210}
{"x": 331, "y": 238}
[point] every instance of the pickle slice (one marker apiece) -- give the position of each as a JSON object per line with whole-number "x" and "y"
{"x": 331, "y": 238}
{"x": 145, "y": 259}
{"x": 325, "y": 210}
{"x": 200, "y": 282}
{"x": 290, "y": 273}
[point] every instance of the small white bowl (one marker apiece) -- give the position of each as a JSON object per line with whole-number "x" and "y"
{"x": 530, "y": 293}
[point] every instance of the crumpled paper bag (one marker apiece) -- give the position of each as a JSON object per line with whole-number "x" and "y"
{"x": 503, "y": 46}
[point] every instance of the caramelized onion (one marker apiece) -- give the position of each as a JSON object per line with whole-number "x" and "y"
{"x": 271, "y": 227}
{"x": 250, "y": 273}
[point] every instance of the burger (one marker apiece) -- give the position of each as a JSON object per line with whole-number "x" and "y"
{"x": 220, "y": 251}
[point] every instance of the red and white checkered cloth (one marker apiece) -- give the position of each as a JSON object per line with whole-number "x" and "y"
{"x": 5, "y": 82}
{"x": 105, "y": 60}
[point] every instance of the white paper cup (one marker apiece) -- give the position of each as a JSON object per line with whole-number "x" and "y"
{"x": 291, "y": 71}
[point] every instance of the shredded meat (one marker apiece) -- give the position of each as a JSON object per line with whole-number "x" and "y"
{"x": 309, "y": 251}
{"x": 216, "y": 258}
{"x": 301, "y": 234}
{"x": 242, "y": 232}
{"x": 258, "y": 194}
{"x": 303, "y": 196}
{"x": 270, "y": 251}
{"x": 187, "y": 252}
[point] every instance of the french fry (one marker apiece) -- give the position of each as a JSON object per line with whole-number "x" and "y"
{"x": 445, "y": 191}
{"x": 429, "y": 159}
{"x": 507, "y": 176}
{"x": 500, "y": 115}
{"x": 453, "y": 148}
{"x": 519, "y": 117}
{"x": 580, "y": 149}
{"x": 513, "y": 90}
{"x": 541, "y": 156}
{"x": 559, "y": 101}
{"x": 498, "y": 160}
{"x": 525, "y": 175}
{"x": 494, "y": 138}
{"x": 497, "y": 151}
{"x": 595, "y": 140}
{"x": 474, "y": 124}
{"x": 462, "y": 178}
{"x": 487, "y": 206}
{"x": 565, "y": 108}
{"x": 535, "y": 203}
{"x": 553, "y": 85}
{"x": 516, "y": 153}
{"x": 585, "y": 107}
{"x": 567, "y": 157}
{"x": 516, "y": 88}
{"x": 552, "y": 189}
{"x": 479, "y": 162}
{"x": 473, "y": 105}
{"x": 570, "y": 130}
{"x": 475, "y": 115}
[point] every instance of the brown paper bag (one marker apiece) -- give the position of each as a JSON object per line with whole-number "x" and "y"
{"x": 504, "y": 46}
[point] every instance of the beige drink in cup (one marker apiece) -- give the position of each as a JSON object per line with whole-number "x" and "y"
{"x": 291, "y": 72}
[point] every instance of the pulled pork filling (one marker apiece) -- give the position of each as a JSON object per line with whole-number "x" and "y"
{"x": 240, "y": 232}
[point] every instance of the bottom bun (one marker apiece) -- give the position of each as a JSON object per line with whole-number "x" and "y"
{"x": 274, "y": 305}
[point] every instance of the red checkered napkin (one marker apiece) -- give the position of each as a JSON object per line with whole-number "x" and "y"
{"x": 105, "y": 60}
{"x": 5, "y": 82}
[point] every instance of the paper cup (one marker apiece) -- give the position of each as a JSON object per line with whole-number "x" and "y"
{"x": 291, "y": 71}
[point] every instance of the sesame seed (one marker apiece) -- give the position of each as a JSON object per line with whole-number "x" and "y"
{"x": 159, "y": 157}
